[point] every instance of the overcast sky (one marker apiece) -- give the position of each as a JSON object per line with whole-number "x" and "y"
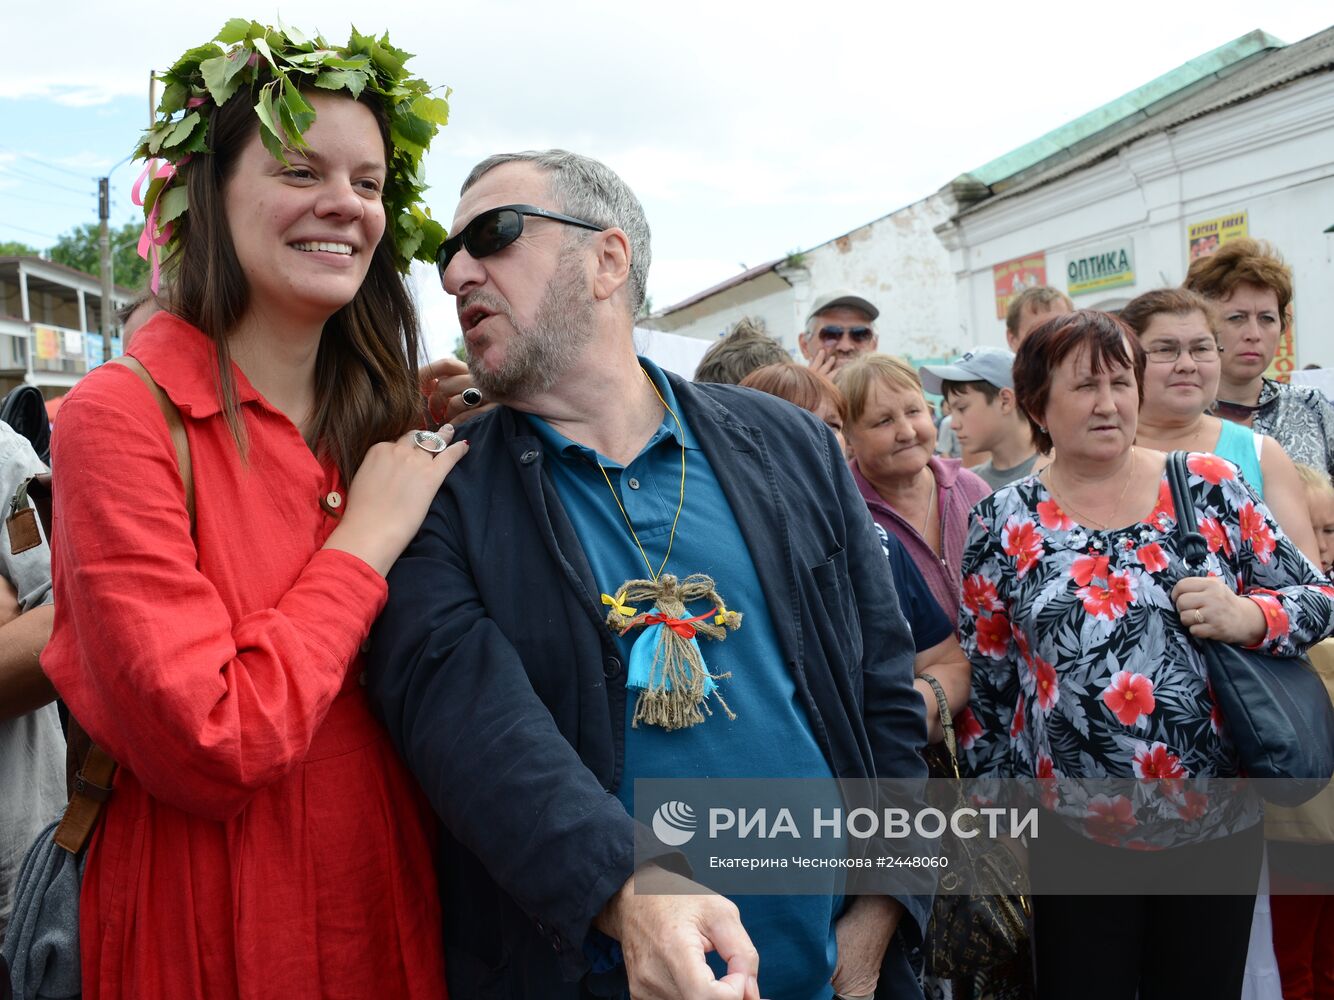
{"x": 749, "y": 130}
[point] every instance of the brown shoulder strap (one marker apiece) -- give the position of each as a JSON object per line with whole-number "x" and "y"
{"x": 174, "y": 424}
{"x": 93, "y": 783}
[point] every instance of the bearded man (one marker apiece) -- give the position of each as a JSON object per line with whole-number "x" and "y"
{"x": 527, "y": 718}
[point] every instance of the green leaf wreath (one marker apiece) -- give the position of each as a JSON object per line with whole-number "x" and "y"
{"x": 246, "y": 52}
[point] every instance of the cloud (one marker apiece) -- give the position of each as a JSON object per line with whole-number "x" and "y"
{"x": 748, "y": 132}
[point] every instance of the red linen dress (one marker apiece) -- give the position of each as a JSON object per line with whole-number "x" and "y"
{"x": 263, "y": 840}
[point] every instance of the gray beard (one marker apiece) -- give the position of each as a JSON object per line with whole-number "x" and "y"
{"x": 539, "y": 356}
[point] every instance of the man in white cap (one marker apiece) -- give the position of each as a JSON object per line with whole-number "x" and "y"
{"x": 979, "y": 387}
{"x": 840, "y": 326}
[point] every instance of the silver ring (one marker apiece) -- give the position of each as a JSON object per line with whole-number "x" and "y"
{"x": 429, "y": 441}
{"x": 472, "y": 396}
{"x": 1199, "y": 617}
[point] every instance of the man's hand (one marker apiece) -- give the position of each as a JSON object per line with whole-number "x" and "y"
{"x": 442, "y": 383}
{"x": 666, "y": 929}
{"x": 824, "y": 363}
{"x": 863, "y": 933}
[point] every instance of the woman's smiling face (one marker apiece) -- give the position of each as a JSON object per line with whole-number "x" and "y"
{"x": 305, "y": 231}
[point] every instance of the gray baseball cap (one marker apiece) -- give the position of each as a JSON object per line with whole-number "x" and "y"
{"x": 849, "y": 300}
{"x": 981, "y": 364}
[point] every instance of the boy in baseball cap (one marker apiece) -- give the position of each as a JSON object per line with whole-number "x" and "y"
{"x": 980, "y": 389}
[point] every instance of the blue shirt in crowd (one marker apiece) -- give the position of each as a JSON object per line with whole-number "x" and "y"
{"x": 771, "y": 735}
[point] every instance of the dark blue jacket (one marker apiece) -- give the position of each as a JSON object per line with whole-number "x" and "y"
{"x": 501, "y": 687}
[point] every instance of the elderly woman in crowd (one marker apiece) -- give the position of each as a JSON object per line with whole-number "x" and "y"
{"x": 938, "y": 652}
{"x": 1251, "y": 287}
{"x": 1075, "y": 616}
{"x": 912, "y": 493}
{"x": 1176, "y": 327}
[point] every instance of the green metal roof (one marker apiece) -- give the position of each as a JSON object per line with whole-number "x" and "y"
{"x": 1130, "y": 105}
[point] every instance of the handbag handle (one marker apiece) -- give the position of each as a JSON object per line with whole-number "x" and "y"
{"x": 1194, "y": 548}
{"x": 946, "y": 721}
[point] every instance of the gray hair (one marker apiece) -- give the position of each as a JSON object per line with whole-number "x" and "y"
{"x": 588, "y": 190}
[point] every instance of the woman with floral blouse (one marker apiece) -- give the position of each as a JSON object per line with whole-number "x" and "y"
{"x": 1075, "y": 614}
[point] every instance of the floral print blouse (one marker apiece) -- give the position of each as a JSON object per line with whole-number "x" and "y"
{"x": 1081, "y": 666}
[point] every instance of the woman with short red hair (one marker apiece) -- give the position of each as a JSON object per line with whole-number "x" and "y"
{"x": 1251, "y": 287}
{"x": 1078, "y": 616}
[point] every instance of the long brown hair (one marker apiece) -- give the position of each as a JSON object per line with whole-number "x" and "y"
{"x": 366, "y": 387}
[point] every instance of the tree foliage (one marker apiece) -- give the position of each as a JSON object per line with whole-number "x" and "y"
{"x": 79, "y": 248}
{"x": 12, "y": 248}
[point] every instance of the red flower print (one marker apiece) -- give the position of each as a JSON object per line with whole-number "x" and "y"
{"x": 993, "y": 635}
{"x": 1110, "y": 819}
{"x": 1276, "y": 619}
{"x": 1215, "y": 716}
{"x": 1048, "y": 691}
{"x": 1017, "y": 723}
{"x": 1021, "y": 540}
{"x": 1048, "y": 793}
{"x": 1111, "y": 602}
{"x": 1021, "y": 640}
{"x": 1164, "y": 507}
{"x": 1194, "y": 806}
{"x": 1256, "y": 531}
{"x": 1157, "y": 763}
{"x": 1129, "y": 696}
{"x": 1152, "y": 557}
{"x": 1210, "y": 468}
{"x": 979, "y": 594}
{"x": 1214, "y": 534}
{"x": 1052, "y": 517}
{"x": 967, "y": 729}
{"x": 1086, "y": 569}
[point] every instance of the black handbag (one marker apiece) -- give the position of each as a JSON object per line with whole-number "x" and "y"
{"x": 1276, "y": 709}
{"x": 988, "y": 928}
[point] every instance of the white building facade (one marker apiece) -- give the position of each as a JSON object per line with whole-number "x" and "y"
{"x": 1259, "y": 165}
{"x": 1238, "y": 141}
{"x": 898, "y": 262}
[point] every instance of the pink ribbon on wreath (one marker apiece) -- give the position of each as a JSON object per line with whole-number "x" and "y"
{"x": 151, "y": 240}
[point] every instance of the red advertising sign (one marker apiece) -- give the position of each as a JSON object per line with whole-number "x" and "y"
{"x": 1013, "y": 276}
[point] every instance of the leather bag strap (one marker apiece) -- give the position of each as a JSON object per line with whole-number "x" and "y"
{"x": 1194, "y": 548}
{"x": 946, "y": 721}
{"x": 95, "y": 779}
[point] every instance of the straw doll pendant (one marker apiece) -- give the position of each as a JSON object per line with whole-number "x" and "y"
{"x": 666, "y": 664}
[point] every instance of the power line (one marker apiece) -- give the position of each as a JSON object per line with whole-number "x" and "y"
{"x": 29, "y": 199}
{"x": 50, "y": 166}
{"x": 8, "y": 169}
{"x": 31, "y": 232}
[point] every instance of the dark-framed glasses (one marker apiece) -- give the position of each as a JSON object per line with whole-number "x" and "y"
{"x": 1166, "y": 354}
{"x": 831, "y": 334}
{"x": 497, "y": 228}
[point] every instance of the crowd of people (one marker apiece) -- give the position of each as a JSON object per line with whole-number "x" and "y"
{"x": 378, "y": 652}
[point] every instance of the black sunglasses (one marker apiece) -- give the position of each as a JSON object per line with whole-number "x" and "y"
{"x": 831, "y": 335}
{"x": 497, "y": 228}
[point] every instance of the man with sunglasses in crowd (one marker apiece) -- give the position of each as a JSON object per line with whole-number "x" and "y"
{"x": 514, "y": 702}
{"x": 840, "y": 326}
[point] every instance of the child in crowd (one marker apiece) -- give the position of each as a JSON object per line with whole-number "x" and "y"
{"x": 980, "y": 390}
{"x": 1320, "y": 502}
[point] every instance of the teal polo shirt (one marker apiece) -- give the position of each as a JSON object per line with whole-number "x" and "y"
{"x": 771, "y": 735}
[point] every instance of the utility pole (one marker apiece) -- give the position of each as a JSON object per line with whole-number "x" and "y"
{"x": 104, "y": 247}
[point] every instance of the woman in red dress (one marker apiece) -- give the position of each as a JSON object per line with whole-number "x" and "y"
{"x": 262, "y": 840}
